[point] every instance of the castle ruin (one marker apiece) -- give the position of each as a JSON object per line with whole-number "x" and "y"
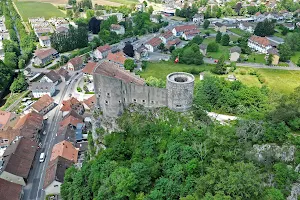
{"x": 116, "y": 89}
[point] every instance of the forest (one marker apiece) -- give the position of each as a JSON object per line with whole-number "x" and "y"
{"x": 164, "y": 155}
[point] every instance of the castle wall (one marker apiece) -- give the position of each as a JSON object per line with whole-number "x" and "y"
{"x": 113, "y": 95}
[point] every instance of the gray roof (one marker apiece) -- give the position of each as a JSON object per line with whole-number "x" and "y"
{"x": 218, "y": 24}
{"x": 197, "y": 15}
{"x": 41, "y": 87}
{"x": 273, "y": 51}
{"x": 53, "y": 76}
{"x": 235, "y": 49}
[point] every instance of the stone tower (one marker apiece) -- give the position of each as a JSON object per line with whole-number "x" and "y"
{"x": 180, "y": 86}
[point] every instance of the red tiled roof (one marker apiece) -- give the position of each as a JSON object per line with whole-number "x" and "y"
{"x": 192, "y": 32}
{"x": 167, "y": 34}
{"x": 42, "y": 103}
{"x": 104, "y": 48}
{"x": 9, "y": 190}
{"x": 4, "y": 117}
{"x": 9, "y": 134}
{"x": 56, "y": 170}
{"x": 260, "y": 40}
{"x": 70, "y": 120}
{"x": 44, "y": 53}
{"x": 90, "y": 102}
{"x": 30, "y": 124}
{"x": 185, "y": 28}
{"x": 89, "y": 68}
{"x": 115, "y": 27}
{"x": 118, "y": 57}
{"x": 154, "y": 41}
{"x": 18, "y": 157}
{"x": 113, "y": 70}
{"x": 173, "y": 42}
{"x": 43, "y": 38}
{"x": 68, "y": 104}
{"x": 257, "y": 14}
{"x": 76, "y": 61}
{"x": 66, "y": 150}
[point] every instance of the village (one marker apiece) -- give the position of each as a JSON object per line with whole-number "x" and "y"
{"x": 48, "y": 128}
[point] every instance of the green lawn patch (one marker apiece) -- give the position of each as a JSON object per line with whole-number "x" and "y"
{"x": 295, "y": 57}
{"x": 176, "y": 18}
{"x": 160, "y": 70}
{"x": 257, "y": 58}
{"x": 209, "y": 30}
{"x": 29, "y": 9}
{"x": 238, "y": 31}
{"x": 281, "y": 81}
{"x": 223, "y": 50}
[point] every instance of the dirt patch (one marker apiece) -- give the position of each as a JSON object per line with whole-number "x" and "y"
{"x": 63, "y": 2}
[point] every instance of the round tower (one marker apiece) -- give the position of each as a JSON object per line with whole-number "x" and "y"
{"x": 180, "y": 86}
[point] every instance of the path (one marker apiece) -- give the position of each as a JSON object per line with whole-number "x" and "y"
{"x": 291, "y": 67}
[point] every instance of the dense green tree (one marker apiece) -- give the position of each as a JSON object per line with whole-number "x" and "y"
{"x": 212, "y": 47}
{"x": 285, "y": 52}
{"x": 293, "y": 41}
{"x": 206, "y": 24}
{"x": 19, "y": 84}
{"x": 269, "y": 59}
{"x": 273, "y": 194}
{"x": 218, "y": 37}
{"x": 220, "y": 67}
{"x": 5, "y": 75}
{"x": 11, "y": 60}
{"x": 129, "y": 64}
{"x": 265, "y": 28}
{"x": 225, "y": 40}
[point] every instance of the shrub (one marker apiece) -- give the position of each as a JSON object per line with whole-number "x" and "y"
{"x": 243, "y": 72}
{"x": 79, "y": 89}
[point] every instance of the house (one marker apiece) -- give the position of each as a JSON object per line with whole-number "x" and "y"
{"x": 55, "y": 174}
{"x": 66, "y": 133}
{"x": 235, "y": 53}
{"x": 17, "y": 161}
{"x": 289, "y": 26}
{"x": 106, "y": 16}
{"x": 89, "y": 103}
{"x": 88, "y": 70}
{"x": 64, "y": 74}
{"x": 152, "y": 45}
{"x": 275, "y": 55}
{"x": 44, "y": 104}
{"x": 246, "y": 26}
{"x": 30, "y": 125}
{"x": 220, "y": 27}
{"x": 51, "y": 77}
{"x": 174, "y": 43}
{"x": 7, "y": 119}
{"x": 72, "y": 104}
{"x": 258, "y": 17}
{"x": 75, "y": 63}
{"x": 102, "y": 51}
{"x": 275, "y": 41}
{"x": 40, "y": 89}
{"x": 259, "y": 44}
{"x": 198, "y": 18}
{"x": 141, "y": 52}
{"x": 139, "y": 7}
{"x": 8, "y": 136}
{"x": 118, "y": 58}
{"x": 155, "y": 18}
{"x": 203, "y": 48}
{"x": 166, "y": 36}
{"x": 189, "y": 35}
{"x": 45, "y": 41}
{"x": 179, "y": 30}
{"x": 118, "y": 29}
{"x": 66, "y": 150}
{"x": 62, "y": 29}
{"x": 10, "y": 191}
{"x": 71, "y": 119}
{"x": 42, "y": 31}
{"x": 44, "y": 56}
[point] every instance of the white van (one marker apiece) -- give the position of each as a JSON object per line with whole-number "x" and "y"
{"x": 42, "y": 157}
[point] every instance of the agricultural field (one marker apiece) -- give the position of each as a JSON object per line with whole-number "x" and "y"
{"x": 238, "y": 31}
{"x": 41, "y": 9}
{"x": 281, "y": 81}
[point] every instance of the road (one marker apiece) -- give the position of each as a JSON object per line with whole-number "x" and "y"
{"x": 33, "y": 189}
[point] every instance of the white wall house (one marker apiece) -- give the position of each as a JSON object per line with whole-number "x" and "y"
{"x": 40, "y": 89}
{"x": 45, "y": 41}
{"x": 259, "y": 44}
{"x": 102, "y": 51}
{"x": 245, "y": 26}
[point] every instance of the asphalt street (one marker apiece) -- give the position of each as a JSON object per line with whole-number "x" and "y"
{"x": 33, "y": 189}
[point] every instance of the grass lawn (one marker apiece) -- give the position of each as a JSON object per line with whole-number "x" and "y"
{"x": 160, "y": 70}
{"x": 210, "y": 30}
{"x": 125, "y": 2}
{"x": 281, "y": 81}
{"x": 233, "y": 38}
{"x": 237, "y": 31}
{"x": 257, "y": 58}
{"x": 295, "y": 57}
{"x": 223, "y": 50}
{"x": 38, "y": 9}
{"x": 176, "y": 18}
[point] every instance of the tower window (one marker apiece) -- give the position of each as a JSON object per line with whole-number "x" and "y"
{"x": 152, "y": 102}
{"x": 108, "y": 94}
{"x": 134, "y": 100}
{"x": 120, "y": 101}
{"x": 143, "y": 101}
{"x": 106, "y": 102}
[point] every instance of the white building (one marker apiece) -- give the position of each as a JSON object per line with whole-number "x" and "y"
{"x": 245, "y": 26}
{"x": 45, "y": 41}
{"x": 118, "y": 29}
{"x": 259, "y": 44}
{"x": 198, "y": 18}
{"x": 40, "y": 89}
